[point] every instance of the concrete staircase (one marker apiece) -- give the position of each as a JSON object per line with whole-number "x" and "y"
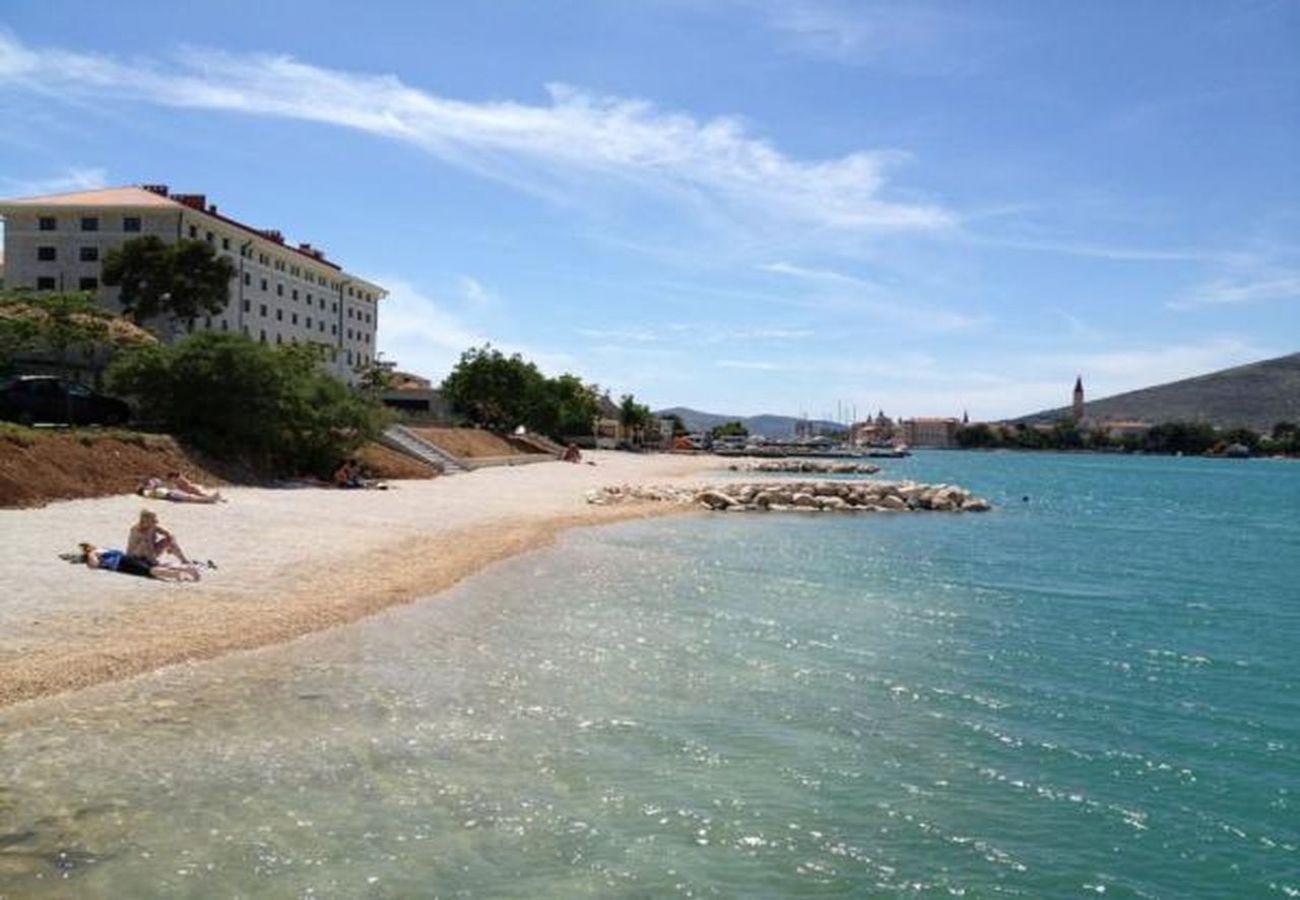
{"x": 540, "y": 443}
{"x": 403, "y": 440}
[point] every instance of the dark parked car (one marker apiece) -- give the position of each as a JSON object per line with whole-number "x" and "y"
{"x": 43, "y": 398}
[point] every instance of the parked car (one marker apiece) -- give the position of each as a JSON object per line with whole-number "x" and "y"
{"x": 33, "y": 399}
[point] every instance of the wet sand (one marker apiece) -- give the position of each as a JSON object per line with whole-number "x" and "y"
{"x": 290, "y": 562}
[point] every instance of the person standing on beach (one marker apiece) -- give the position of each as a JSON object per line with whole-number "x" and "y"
{"x": 149, "y": 540}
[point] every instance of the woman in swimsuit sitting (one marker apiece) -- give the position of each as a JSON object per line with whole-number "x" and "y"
{"x": 150, "y": 541}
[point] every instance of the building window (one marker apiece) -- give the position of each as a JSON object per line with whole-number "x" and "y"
{"x": 131, "y": 223}
{"x": 279, "y": 290}
{"x": 194, "y": 232}
{"x": 308, "y": 322}
{"x": 349, "y": 334}
{"x": 46, "y": 254}
{"x": 367, "y": 337}
{"x": 45, "y": 283}
{"x": 248, "y": 279}
{"x": 278, "y": 339}
{"x": 261, "y": 336}
{"x": 210, "y": 237}
{"x": 90, "y": 223}
{"x": 279, "y": 315}
{"x": 262, "y": 310}
{"x": 349, "y": 357}
{"x": 207, "y": 321}
{"x": 321, "y": 323}
{"x": 247, "y": 306}
{"x": 367, "y": 318}
{"x": 48, "y": 223}
{"x": 261, "y": 258}
{"x": 88, "y": 284}
{"x": 334, "y": 329}
{"x": 295, "y": 293}
{"x": 334, "y": 307}
{"x": 90, "y": 254}
{"x": 263, "y": 284}
{"x": 225, "y": 243}
{"x": 322, "y": 302}
{"x": 349, "y": 312}
{"x": 295, "y": 318}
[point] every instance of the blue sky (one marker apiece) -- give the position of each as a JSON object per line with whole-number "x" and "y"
{"x": 742, "y": 206}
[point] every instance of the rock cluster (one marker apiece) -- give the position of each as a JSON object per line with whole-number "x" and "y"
{"x": 803, "y": 496}
{"x": 806, "y": 466}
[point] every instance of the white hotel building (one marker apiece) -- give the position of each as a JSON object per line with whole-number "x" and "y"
{"x": 280, "y": 294}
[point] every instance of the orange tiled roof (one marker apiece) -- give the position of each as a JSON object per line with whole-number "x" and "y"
{"x": 110, "y": 197}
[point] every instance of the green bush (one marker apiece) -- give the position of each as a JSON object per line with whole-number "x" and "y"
{"x": 274, "y": 408}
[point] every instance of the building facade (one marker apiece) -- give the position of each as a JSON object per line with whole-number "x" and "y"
{"x": 931, "y": 432}
{"x": 281, "y": 293}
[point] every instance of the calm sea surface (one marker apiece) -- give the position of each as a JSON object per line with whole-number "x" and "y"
{"x": 1094, "y": 691}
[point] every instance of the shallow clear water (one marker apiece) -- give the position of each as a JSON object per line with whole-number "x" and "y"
{"x": 1094, "y": 691}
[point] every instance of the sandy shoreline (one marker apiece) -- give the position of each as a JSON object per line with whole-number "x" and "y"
{"x": 290, "y": 562}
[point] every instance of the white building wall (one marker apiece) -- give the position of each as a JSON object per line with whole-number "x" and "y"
{"x": 278, "y": 295}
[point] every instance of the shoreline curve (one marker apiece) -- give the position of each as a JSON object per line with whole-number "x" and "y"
{"x": 214, "y": 622}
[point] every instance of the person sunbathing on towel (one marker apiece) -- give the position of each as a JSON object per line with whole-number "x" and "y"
{"x": 117, "y": 561}
{"x": 182, "y": 490}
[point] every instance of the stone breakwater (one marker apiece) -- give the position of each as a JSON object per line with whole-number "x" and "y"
{"x": 803, "y": 496}
{"x": 806, "y": 466}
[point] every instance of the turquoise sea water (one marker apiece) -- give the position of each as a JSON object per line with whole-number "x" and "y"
{"x": 1096, "y": 691}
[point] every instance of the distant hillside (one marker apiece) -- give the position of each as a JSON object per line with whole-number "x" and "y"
{"x": 1255, "y": 396}
{"x": 766, "y": 425}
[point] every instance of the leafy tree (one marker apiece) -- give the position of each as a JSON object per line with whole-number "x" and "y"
{"x": 1181, "y": 437}
{"x": 274, "y": 407}
{"x": 373, "y": 379}
{"x": 979, "y": 435}
{"x": 569, "y": 407}
{"x": 494, "y": 390}
{"x": 184, "y": 280}
{"x": 733, "y": 428}
{"x": 62, "y": 326}
{"x": 679, "y": 426}
{"x": 633, "y": 416}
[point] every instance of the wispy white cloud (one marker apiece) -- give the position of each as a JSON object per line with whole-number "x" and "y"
{"x": 475, "y": 294}
{"x": 422, "y": 335}
{"x": 785, "y": 268}
{"x": 851, "y": 293}
{"x": 543, "y": 147}
{"x": 911, "y": 37}
{"x": 73, "y": 179}
{"x": 751, "y": 365}
{"x": 1101, "y": 251}
{"x": 1223, "y": 291}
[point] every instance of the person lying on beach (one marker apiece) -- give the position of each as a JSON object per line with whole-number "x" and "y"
{"x": 157, "y": 489}
{"x": 149, "y": 540}
{"x": 117, "y": 561}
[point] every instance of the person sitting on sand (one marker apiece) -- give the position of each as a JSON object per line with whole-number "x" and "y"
{"x": 572, "y": 454}
{"x": 157, "y": 489}
{"x": 150, "y": 541}
{"x": 127, "y": 564}
{"x": 348, "y": 475}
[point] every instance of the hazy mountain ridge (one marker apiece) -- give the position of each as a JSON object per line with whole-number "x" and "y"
{"x": 1256, "y": 396}
{"x": 771, "y": 426}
